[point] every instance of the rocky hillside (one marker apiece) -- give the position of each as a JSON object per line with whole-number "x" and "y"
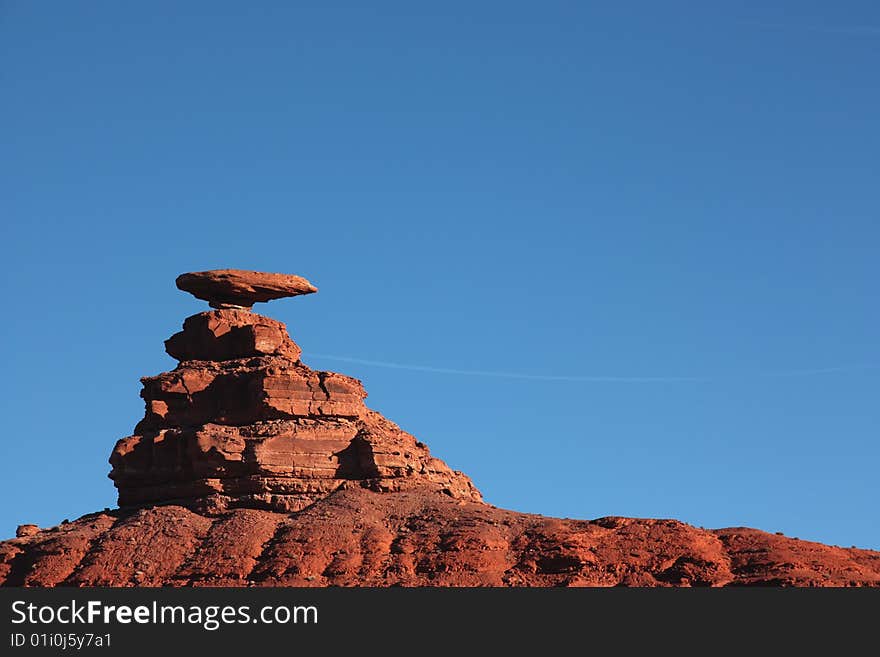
{"x": 249, "y": 468}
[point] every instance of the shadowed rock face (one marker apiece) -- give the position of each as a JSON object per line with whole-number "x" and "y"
{"x": 250, "y": 468}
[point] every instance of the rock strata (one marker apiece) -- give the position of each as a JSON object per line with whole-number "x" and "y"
{"x": 242, "y": 422}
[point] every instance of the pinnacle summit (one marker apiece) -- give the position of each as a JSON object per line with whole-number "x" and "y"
{"x": 243, "y": 422}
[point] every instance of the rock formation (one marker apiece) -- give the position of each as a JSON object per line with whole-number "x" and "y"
{"x": 242, "y": 422}
{"x": 235, "y": 288}
{"x": 250, "y": 468}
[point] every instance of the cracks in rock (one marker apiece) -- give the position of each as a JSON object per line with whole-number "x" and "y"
{"x": 189, "y": 397}
{"x": 322, "y": 382}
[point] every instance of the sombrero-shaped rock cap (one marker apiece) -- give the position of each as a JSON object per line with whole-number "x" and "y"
{"x": 237, "y": 288}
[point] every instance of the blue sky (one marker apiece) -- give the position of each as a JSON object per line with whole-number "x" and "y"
{"x": 553, "y": 191}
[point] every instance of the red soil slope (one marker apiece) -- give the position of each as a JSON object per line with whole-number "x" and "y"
{"x": 420, "y": 537}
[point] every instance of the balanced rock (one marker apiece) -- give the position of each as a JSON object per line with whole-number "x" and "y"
{"x": 242, "y": 422}
{"x": 237, "y": 288}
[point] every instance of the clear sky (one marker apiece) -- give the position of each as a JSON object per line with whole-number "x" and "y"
{"x": 658, "y": 221}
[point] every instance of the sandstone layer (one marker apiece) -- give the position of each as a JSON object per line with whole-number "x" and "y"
{"x": 242, "y": 422}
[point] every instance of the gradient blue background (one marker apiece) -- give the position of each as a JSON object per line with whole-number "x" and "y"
{"x": 543, "y": 188}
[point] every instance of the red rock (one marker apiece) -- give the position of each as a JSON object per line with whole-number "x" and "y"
{"x": 237, "y": 288}
{"x": 255, "y": 427}
{"x": 416, "y": 537}
{"x": 250, "y": 468}
{"x": 230, "y": 334}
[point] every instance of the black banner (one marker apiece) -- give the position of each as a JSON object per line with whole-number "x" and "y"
{"x": 398, "y": 621}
